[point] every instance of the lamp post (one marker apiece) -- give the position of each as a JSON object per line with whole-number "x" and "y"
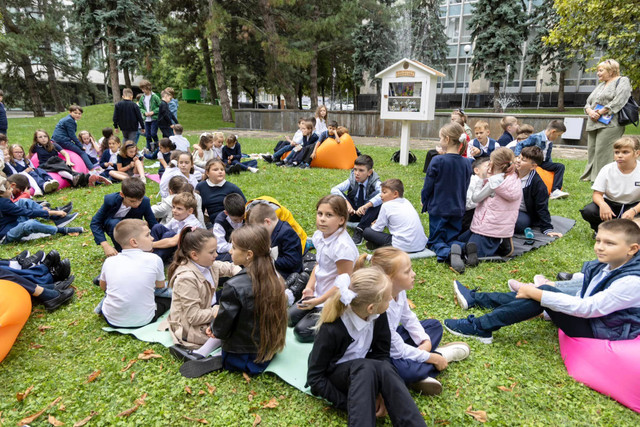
{"x": 467, "y": 50}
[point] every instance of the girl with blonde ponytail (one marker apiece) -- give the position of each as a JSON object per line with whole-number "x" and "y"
{"x": 349, "y": 363}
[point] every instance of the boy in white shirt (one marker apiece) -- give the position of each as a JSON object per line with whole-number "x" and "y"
{"x": 402, "y": 219}
{"x": 163, "y": 210}
{"x": 284, "y": 146}
{"x": 181, "y": 142}
{"x": 131, "y": 277}
{"x": 480, "y": 168}
{"x": 166, "y": 236}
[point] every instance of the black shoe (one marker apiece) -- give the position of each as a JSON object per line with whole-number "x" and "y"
{"x": 357, "y": 236}
{"x": 61, "y": 271}
{"x": 371, "y": 246}
{"x": 64, "y": 284}
{"x": 506, "y": 248}
{"x": 52, "y": 259}
{"x": 31, "y": 260}
{"x": 455, "y": 259}
{"x": 21, "y": 256}
{"x": 76, "y": 180}
{"x": 298, "y": 286}
{"x": 96, "y": 281}
{"x": 291, "y": 280}
{"x": 55, "y": 303}
{"x": 309, "y": 257}
{"x": 66, "y": 208}
{"x": 279, "y": 163}
{"x": 200, "y": 367}
{"x": 267, "y": 158}
{"x": 564, "y": 276}
{"x": 472, "y": 254}
{"x": 235, "y": 169}
{"x": 44, "y": 204}
{"x": 184, "y": 354}
{"x": 64, "y": 220}
{"x": 68, "y": 230}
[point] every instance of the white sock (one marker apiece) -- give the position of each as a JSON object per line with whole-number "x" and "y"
{"x": 208, "y": 347}
{"x": 66, "y": 175}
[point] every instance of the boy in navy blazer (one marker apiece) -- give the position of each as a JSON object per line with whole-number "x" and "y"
{"x": 65, "y": 135}
{"x": 130, "y": 202}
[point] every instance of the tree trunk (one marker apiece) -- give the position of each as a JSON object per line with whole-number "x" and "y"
{"x": 235, "y": 92}
{"x": 561, "y": 78}
{"x": 322, "y": 89}
{"x": 51, "y": 77}
{"x": 127, "y": 77}
{"x": 113, "y": 66}
{"x": 313, "y": 84}
{"x": 32, "y": 86}
{"x": 279, "y": 101}
{"x": 220, "y": 78}
{"x": 211, "y": 81}
{"x": 496, "y": 97}
{"x": 299, "y": 96}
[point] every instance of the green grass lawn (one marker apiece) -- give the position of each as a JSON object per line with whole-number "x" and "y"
{"x": 57, "y": 352}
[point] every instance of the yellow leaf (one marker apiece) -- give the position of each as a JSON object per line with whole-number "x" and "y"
{"x": 93, "y": 376}
{"x": 130, "y": 364}
{"x": 247, "y": 378}
{"x": 198, "y": 420}
{"x": 212, "y": 389}
{"x": 412, "y": 306}
{"x": 187, "y": 389}
{"x": 35, "y": 416}
{"x": 149, "y": 354}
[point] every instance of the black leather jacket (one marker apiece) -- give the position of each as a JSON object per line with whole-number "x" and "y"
{"x": 235, "y": 324}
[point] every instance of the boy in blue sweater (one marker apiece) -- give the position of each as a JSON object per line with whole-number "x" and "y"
{"x": 607, "y": 306}
{"x": 130, "y": 202}
{"x": 544, "y": 140}
{"x": 65, "y": 135}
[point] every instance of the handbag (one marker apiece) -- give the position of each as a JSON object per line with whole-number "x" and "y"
{"x": 396, "y": 157}
{"x": 629, "y": 113}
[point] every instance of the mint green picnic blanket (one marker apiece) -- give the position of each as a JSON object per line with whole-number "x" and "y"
{"x": 290, "y": 365}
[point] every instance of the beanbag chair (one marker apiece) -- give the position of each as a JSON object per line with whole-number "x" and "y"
{"x": 78, "y": 166}
{"x": 547, "y": 177}
{"x": 331, "y": 155}
{"x": 15, "y": 308}
{"x": 609, "y": 367}
{"x": 283, "y": 214}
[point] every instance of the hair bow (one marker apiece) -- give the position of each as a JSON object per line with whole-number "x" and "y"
{"x": 346, "y": 294}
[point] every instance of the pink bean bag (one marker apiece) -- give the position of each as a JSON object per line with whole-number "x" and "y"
{"x": 609, "y": 367}
{"x": 78, "y": 166}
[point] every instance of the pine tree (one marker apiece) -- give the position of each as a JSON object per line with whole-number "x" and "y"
{"x": 429, "y": 42}
{"x": 499, "y": 29}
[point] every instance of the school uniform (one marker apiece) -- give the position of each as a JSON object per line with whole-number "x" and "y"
{"x": 17, "y": 220}
{"x": 236, "y": 156}
{"x": 444, "y": 197}
{"x": 109, "y": 156}
{"x": 172, "y": 228}
{"x": 169, "y": 173}
{"x": 65, "y": 135}
{"x": 165, "y": 119}
{"x": 485, "y": 150}
{"x": 329, "y": 250}
{"x": 213, "y": 196}
{"x": 4, "y": 124}
{"x": 181, "y": 142}
{"x": 223, "y": 226}
{"x": 131, "y": 278}
{"x": 405, "y": 229}
{"x": 475, "y": 185}
{"x": 206, "y": 156}
{"x": 39, "y": 175}
{"x": 126, "y": 161}
{"x": 127, "y": 118}
{"x": 540, "y": 140}
{"x": 304, "y": 154}
{"x": 284, "y": 146}
{"x": 287, "y": 242}
{"x": 534, "y": 208}
{"x": 167, "y": 159}
{"x": 505, "y": 139}
{"x": 349, "y": 366}
{"x": 112, "y": 212}
{"x": 50, "y": 161}
{"x": 359, "y": 194}
{"x": 163, "y": 209}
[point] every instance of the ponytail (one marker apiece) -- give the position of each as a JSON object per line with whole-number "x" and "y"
{"x": 190, "y": 239}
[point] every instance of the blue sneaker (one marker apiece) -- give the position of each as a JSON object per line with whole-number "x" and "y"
{"x": 467, "y": 328}
{"x": 463, "y": 295}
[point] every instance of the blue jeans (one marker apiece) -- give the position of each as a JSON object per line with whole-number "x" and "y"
{"x": 80, "y": 152}
{"x": 410, "y": 370}
{"x": 280, "y": 152}
{"x": 151, "y": 132}
{"x": 28, "y": 226}
{"x": 243, "y": 362}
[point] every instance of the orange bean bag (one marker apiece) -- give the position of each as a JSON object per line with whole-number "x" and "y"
{"x": 547, "y": 177}
{"x": 15, "y": 308}
{"x": 331, "y": 155}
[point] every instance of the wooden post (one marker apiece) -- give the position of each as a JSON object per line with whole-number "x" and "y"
{"x": 404, "y": 142}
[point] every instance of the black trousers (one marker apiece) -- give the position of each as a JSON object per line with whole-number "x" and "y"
{"x": 369, "y": 216}
{"x": 303, "y": 323}
{"x": 591, "y": 212}
{"x": 362, "y": 380}
{"x": 377, "y": 238}
{"x": 558, "y": 170}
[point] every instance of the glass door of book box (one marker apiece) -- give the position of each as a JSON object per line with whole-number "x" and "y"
{"x": 405, "y": 96}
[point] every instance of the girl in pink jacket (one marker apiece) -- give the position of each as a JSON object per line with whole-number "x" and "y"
{"x": 498, "y": 205}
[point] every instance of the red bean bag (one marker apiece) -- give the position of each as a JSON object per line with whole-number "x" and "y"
{"x": 15, "y": 308}
{"x": 78, "y": 166}
{"x": 609, "y": 367}
{"x": 331, "y": 155}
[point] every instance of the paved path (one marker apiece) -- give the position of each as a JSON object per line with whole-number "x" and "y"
{"x": 562, "y": 152}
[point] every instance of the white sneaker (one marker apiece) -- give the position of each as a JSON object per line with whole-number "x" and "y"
{"x": 540, "y": 280}
{"x": 514, "y": 285}
{"x": 454, "y": 351}
{"x": 558, "y": 194}
{"x": 253, "y": 170}
{"x": 428, "y": 386}
{"x": 51, "y": 186}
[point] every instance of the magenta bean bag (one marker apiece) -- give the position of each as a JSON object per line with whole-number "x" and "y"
{"x": 78, "y": 166}
{"x": 609, "y": 367}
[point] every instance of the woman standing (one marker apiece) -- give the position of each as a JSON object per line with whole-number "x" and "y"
{"x": 606, "y": 100}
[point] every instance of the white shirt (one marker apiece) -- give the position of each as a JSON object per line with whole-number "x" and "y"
{"x": 362, "y": 333}
{"x": 163, "y": 213}
{"x": 404, "y": 224}
{"x": 181, "y": 142}
{"x": 113, "y": 158}
{"x": 336, "y": 247}
{"x": 621, "y": 294}
{"x": 475, "y": 185}
{"x": 400, "y": 313}
{"x": 206, "y": 156}
{"x": 170, "y": 173}
{"x": 297, "y": 137}
{"x": 616, "y": 186}
{"x": 147, "y": 106}
{"x": 177, "y": 226}
{"x": 122, "y": 211}
{"x": 131, "y": 278}
{"x": 321, "y": 126}
{"x": 218, "y": 231}
{"x": 90, "y": 149}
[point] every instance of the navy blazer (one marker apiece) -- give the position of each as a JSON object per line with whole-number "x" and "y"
{"x": 104, "y": 159}
{"x": 110, "y": 206}
{"x": 289, "y": 249}
{"x": 65, "y": 132}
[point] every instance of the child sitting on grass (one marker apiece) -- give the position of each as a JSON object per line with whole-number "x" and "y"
{"x": 166, "y": 236}
{"x": 18, "y": 163}
{"x": 286, "y": 145}
{"x": 180, "y": 141}
{"x": 129, "y": 162}
{"x": 300, "y": 153}
{"x": 482, "y": 145}
{"x": 215, "y": 188}
{"x": 163, "y": 209}
{"x": 181, "y": 164}
{"x": 480, "y": 167}
{"x": 19, "y": 187}
{"x": 509, "y": 125}
{"x": 130, "y": 202}
{"x": 228, "y": 220}
{"x": 131, "y": 277}
{"x": 607, "y": 307}
{"x": 399, "y": 215}
{"x": 232, "y": 154}
{"x": 109, "y": 160}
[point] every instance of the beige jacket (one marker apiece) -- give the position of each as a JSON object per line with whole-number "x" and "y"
{"x": 611, "y": 95}
{"x": 191, "y": 310}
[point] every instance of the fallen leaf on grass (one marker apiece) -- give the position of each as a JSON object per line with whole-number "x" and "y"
{"x": 35, "y": 416}
{"x": 457, "y": 392}
{"x": 257, "y": 421}
{"x": 133, "y": 375}
{"x": 247, "y": 378}
{"x": 234, "y": 390}
{"x": 201, "y": 392}
{"x": 22, "y": 395}
{"x": 443, "y": 422}
{"x": 73, "y": 323}
{"x": 93, "y": 376}
{"x": 85, "y": 420}
{"x": 80, "y": 293}
{"x": 251, "y": 395}
{"x": 212, "y": 389}
{"x": 139, "y": 402}
{"x": 440, "y": 296}
{"x": 43, "y": 328}
{"x": 477, "y": 415}
{"x": 74, "y": 234}
{"x": 130, "y": 364}
{"x": 84, "y": 244}
{"x": 412, "y": 306}
{"x": 198, "y": 420}
{"x": 35, "y": 346}
{"x": 62, "y": 407}
{"x": 54, "y": 422}
{"x": 99, "y": 339}
{"x": 487, "y": 365}
{"x": 509, "y": 389}
{"x": 149, "y": 354}
{"x": 187, "y": 389}
{"x": 271, "y": 404}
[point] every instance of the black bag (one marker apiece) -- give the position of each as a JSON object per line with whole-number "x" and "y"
{"x": 396, "y": 157}
{"x": 629, "y": 113}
